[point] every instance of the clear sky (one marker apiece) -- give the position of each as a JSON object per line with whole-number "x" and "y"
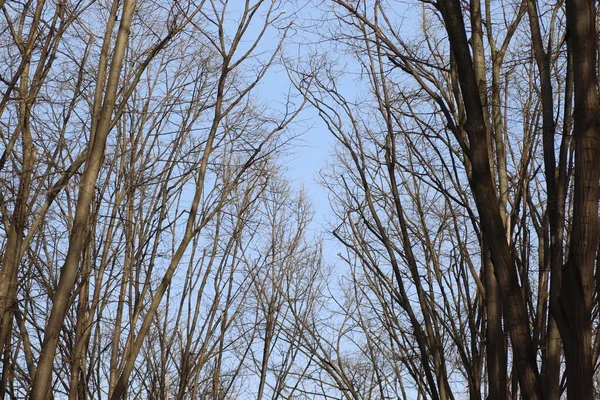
{"x": 313, "y": 146}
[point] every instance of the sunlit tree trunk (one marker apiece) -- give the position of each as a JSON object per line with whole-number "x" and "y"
{"x": 68, "y": 276}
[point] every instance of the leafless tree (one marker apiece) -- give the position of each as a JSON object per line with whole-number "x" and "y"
{"x": 150, "y": 247}
{"x": 438, "y": 176}
{"x": 137, "y": 145}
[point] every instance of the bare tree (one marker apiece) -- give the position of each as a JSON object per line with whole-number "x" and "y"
{"x": 150, "y": 246}
{"x": 451, "y": 107}
{"x": 160, "y": 106}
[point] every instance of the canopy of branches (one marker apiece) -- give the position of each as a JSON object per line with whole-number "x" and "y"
{"x": 152, "y": 246}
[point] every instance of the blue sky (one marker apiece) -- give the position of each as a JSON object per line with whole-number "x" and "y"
{"x": 313, "y": 146}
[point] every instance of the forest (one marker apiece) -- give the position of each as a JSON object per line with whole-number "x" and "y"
{"x": 154, "y": 246}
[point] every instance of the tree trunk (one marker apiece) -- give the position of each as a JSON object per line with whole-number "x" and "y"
{"x": 575, "y": 299}
{"x": 492, "y": 225}
{"x": 11, "y": 261}
{"x": 494, "y": 337}
{"x": 68, "y": 275}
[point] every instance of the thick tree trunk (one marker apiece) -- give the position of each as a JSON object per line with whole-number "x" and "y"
{"x": 493, "y": 230}
{"x": 577, "y": 289}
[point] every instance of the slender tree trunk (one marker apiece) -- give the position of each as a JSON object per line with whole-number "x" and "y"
{"x": 551, "y": 362}
{"x": 68, "y": 275}
{"x": 9, "y": 272}
{"x": 122, "y": 383}
{"x": 494, "y": 338}
{"x": 15, "y": 235}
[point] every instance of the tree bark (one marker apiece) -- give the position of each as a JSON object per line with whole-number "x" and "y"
{"x": 494, "y": 336}
{"x": 551, "y": 361}
{"x": 68, "y": 275}
{"x": 483, "y": 186}
{"x": 575, "y": 299}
